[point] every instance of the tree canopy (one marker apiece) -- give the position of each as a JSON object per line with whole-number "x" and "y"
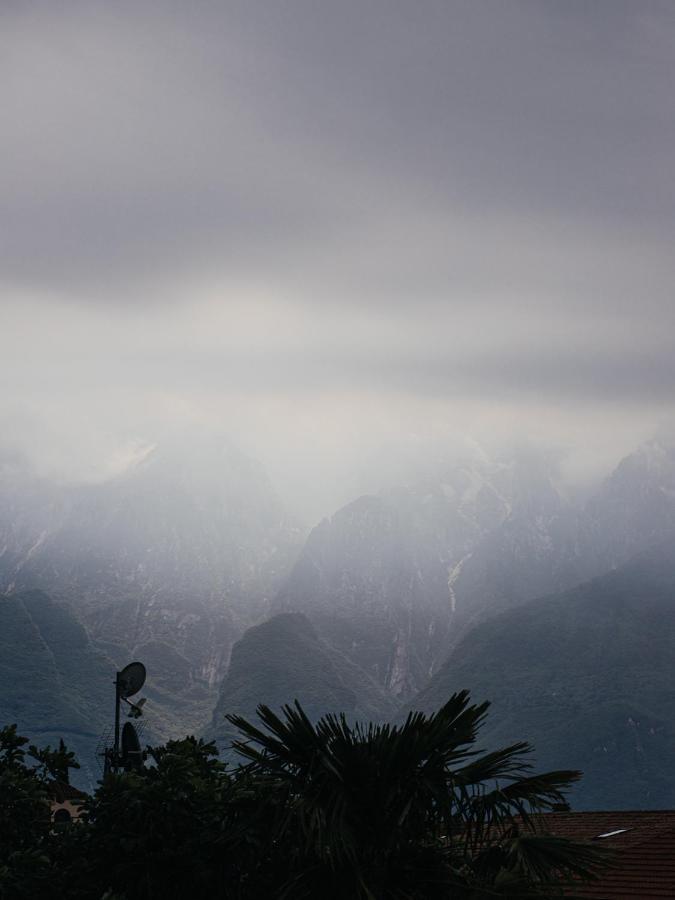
{"x": 326, "y": 808}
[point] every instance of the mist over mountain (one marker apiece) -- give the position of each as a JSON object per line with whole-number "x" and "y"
{"x": 395, "y": 580}
{"x": 634, "y": 507}
{"x": 188, "y": 561}
{"x": 337, "y": 366}
{"x": 378, "y": 577}
{"x": 170, "y": 560}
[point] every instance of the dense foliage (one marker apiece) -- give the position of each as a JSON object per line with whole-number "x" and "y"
{"x": 28, "y": 843}
{"x": 324, "y": 810}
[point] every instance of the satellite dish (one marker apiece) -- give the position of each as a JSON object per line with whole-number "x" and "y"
{"x": 127, "y": 683}
{"x": 131, "y": 679}
{"x": 132, "y": 756}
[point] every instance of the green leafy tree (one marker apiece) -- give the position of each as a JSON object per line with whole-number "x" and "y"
{"x": 161, "y": 832}
{"x": 330, "y": 810}
{"x": 25, "y": 821}
{"x": 54, "y": 764}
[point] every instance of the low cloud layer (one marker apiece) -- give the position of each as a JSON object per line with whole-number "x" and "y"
{"x": 333, "y": 228}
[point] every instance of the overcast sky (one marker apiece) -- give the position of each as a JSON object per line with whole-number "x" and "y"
{"x": 327, "y": 227}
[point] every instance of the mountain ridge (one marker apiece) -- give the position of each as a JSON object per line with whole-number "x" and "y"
{"x": 585, "y": 676}
{"x": 396, "y": 580}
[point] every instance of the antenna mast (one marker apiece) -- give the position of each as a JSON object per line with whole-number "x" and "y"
{"x": 127, "y": 683}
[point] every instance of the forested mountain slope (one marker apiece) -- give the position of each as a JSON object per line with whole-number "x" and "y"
{"x": 589, "y": 677}
{"x": 284, "y": 660}
{"x": 53, "y": 682}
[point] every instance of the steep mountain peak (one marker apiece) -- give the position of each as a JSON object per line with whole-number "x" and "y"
{"x": 532, "y": 482}
{"x": 653, "y": 460}
{"x": 386, "y": 578}
{"x": 634, "y": 507}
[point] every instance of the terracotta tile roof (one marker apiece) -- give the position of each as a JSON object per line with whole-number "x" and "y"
{"x": 644, "y": 868}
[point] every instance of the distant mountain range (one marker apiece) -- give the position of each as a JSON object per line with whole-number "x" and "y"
{"x": 396, "y": 580}
{"x": 398, "y": 598}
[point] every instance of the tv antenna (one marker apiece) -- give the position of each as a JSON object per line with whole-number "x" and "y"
{"x": 125, "y": 752}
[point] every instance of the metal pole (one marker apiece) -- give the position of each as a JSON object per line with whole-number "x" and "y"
{"x": 116, "y": 749}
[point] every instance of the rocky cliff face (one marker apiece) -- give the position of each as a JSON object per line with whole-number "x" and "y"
{"x": 174, "y": 558}
{"x": 534, "y": 550}
{"x": 395, "y": 580}
{"x": 387, "y": 578}
{"x": 634, "y": 508}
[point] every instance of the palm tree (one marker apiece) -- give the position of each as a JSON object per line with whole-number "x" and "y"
{"x": 410, "y": 811}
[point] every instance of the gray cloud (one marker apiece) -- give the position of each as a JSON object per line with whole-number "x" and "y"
{"x": 245, "y": 130}
{"x": 455, "y": 213}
